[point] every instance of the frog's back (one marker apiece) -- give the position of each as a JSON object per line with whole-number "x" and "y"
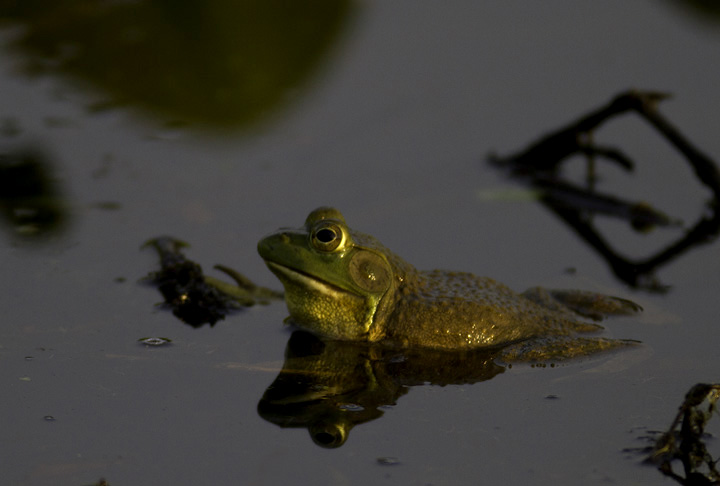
{"x": 457, "y": 310}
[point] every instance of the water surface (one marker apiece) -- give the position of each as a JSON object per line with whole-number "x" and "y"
{"x": 389, "y": 119}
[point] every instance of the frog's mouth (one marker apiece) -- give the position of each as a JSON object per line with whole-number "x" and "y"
{"x": 302, "y": 279}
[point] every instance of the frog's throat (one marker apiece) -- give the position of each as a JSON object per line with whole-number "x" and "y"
{"x": 335, "y": 293}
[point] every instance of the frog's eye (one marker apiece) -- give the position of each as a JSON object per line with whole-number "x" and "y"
{"x": 327, "y": 236}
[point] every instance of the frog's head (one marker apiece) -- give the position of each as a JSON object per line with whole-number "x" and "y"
{"x": 336, "y": 280}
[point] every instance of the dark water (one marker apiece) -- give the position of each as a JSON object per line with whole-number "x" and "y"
{"x": 172, "y": 121}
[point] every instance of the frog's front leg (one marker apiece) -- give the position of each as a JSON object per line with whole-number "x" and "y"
{"x": 588, "y": 304}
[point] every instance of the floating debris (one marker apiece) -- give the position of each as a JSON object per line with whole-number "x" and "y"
{"x": 49, "y": 418}
{"x": 195, "y": 298}
{"x": 155, "y": 341}
{"x": 684, "y": 440}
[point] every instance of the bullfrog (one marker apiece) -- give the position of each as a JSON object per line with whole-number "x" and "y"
{"x": 341, "y": 284}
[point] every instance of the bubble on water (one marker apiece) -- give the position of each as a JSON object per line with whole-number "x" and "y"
{"x": 155, "y": 341}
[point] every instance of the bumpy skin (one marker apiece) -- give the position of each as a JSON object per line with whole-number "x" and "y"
{"x": 345, "y": 285}
{"x": 461, "y": 310}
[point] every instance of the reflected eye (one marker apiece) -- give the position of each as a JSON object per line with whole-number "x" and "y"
{"x": 327, "y": 237}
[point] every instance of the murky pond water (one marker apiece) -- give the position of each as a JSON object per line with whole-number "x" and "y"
{"x": 218, "y": 124}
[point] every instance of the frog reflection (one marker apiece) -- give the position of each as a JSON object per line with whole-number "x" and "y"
{"x": 329, "y": 387}
{"x": 344, "y": 285}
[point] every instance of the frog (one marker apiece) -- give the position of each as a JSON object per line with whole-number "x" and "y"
{"x": 341, "y": 284}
